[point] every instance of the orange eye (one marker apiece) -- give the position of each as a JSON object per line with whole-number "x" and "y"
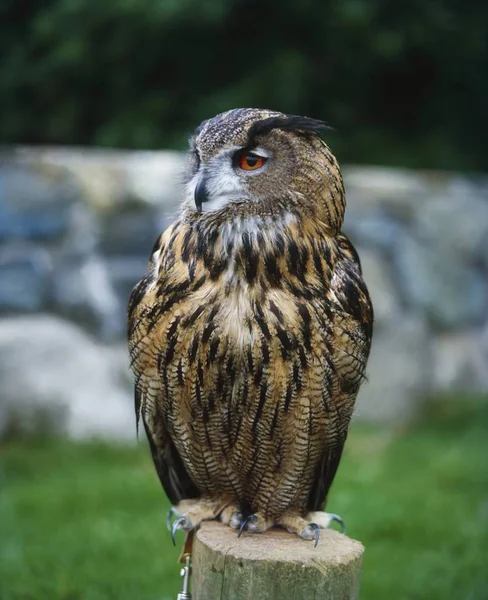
{"x": 251, "y": 162}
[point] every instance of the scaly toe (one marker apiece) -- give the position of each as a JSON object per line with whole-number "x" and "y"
{"x": 311, "y": 532}
{"x": 339, "y": 520}
{"x": 324, "y": 519}
{"x": 180, "y": 523}
{"x": 256, "y": 523}
{"x": 245, "y": 523}
{"x": 236, "y": 520}
{"x": 231, "y": 515}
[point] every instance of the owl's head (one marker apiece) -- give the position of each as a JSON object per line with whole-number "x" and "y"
{"x": 253, "y": 161}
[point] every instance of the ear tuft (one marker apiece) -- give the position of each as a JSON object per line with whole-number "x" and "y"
{"x": 290, "y": 123}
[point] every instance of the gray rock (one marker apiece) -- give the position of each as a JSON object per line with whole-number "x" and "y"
{"x": 376, "y": 273}
{"x": 156, "y": 177}
{"x": 77, "y": 227}
{"x": 52, "y": 376}
{"x": 113, "y": 179}
{"x": 376, "y": 230}
{"x": 84, "y": 235}
{"x": 450, "y": 293}
{"x": 462, "y": 185}
{"x": 460, "y": 363}
{"x": 34, "y": 202}
{"x": 401, "y": 191}
{"x": 130, "y": 232}
{"x": 124, "y": 273}
{"x": 83, "y": 292}
{"x": 398, "y": 372}
{"x": 168, "y": 215}
{"x": 455, "y": 223}
{"x": 25, "y": 272}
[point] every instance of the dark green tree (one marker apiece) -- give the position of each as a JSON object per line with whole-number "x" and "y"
{"x": 404, "y": 83}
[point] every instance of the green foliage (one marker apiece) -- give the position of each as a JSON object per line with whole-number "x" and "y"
{"x": 86, "y": 521}
{"x": 404, "y": 82}
{"x": 83, "y": 522}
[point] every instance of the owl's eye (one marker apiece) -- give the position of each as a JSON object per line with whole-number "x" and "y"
{"x": 250, "y": 162}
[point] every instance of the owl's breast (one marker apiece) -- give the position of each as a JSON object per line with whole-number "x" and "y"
{"x": 235, "y": 318}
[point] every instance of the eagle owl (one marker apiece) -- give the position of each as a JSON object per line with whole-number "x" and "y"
{"x": 250, "y": 331}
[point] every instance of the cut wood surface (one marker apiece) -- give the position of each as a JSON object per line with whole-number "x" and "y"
{"x": 274, "y": 565}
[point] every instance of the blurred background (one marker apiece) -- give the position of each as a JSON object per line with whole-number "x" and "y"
{"x": 97, "y": 101}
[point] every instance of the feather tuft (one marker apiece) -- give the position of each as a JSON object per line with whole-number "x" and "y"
{"x": 288, "y": 123}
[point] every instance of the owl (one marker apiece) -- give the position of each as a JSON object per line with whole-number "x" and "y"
{"x": 250, "y": 331}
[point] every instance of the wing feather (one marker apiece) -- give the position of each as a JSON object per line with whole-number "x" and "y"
{"x": 148, "y": 390}
{"x": 352, "y": 326}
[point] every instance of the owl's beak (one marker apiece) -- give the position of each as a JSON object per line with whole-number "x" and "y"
{"x": 201, "y": 194}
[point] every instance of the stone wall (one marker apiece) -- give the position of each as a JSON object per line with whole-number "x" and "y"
{"x": 76, "y": 230}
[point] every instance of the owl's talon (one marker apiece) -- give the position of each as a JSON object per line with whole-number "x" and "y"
{"x": 339, "y": 520}
{"x": 317, "y": 533}
{"x": 311, "y": 532}
{"x": 180, "y": 523}
{"x": 245, "y": 523}
{"x": 171, "y": 511}
{"x": 324, "y": 519}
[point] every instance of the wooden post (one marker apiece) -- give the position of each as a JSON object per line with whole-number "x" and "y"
{"x": 275, "y": 565}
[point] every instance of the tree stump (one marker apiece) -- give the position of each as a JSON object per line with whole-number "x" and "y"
{"x": 275, "y": 565}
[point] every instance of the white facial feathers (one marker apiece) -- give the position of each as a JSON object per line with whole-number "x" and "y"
{"x": 224, "y": 181}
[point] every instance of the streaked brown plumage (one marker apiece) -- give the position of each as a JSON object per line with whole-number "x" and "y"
{"x": 250, "y": 332}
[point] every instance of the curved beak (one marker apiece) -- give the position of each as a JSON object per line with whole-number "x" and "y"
{"x": 201, "y": 194}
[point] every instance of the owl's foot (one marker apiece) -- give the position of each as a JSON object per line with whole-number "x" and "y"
{"x": 232, "y": 516}
{"x": 324, "y": 519}
{"x": 190, "y": 513}
{"x": 255, "y": 523}
{"x": 309, "y": 527}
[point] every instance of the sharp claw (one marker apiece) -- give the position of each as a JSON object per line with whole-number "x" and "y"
{"x": 340, "y": 521}
{"x": 316, "y": 528}
{"x": 169, "y": 514}
{"x": 178, "y": 524}
{"x": 244, "y": 524}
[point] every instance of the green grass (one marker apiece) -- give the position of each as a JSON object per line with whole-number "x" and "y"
{"x": 86, "y": 521}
